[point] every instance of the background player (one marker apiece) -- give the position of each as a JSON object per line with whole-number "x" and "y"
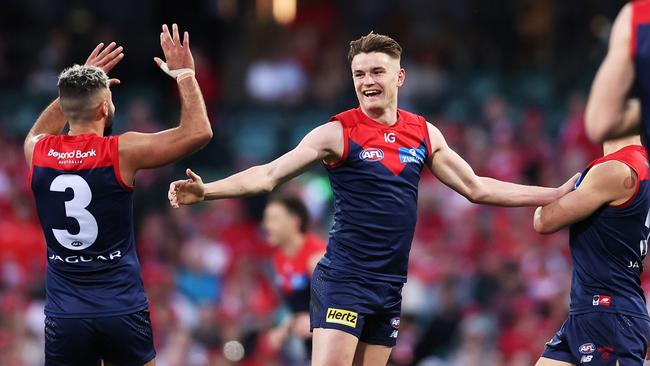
{"x": 83, "y": 185}
{"x": 610, "y": 113}
{"x": 286, "y": 223}
{"x": 609, "y": 216}
{"x": 374, "y": 155}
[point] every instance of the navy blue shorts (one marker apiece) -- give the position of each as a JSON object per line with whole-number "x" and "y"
{"x": 366, "y": 308}
{"x": 600, "y": 339}
{"x": 124, "y": 340}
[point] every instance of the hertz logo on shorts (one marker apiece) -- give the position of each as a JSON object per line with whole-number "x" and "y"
{"x": 340, "y": 316}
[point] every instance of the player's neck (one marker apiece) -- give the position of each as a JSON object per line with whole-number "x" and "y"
{"x": 386, "y": 116}
{"x": 293, "y": 244}
{"x": 612, "y": 146}
{"x": 86, "y": 128}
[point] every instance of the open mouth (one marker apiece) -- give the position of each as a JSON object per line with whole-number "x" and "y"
{"x": 372, "y": 93}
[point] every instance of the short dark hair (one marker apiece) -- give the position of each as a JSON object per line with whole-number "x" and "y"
{"x": 81, "y": 81}
{"x": 295, "y": 206}
{"x": 374, "y": 42}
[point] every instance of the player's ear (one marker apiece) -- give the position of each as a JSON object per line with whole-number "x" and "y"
{"x": 401, "y": 77}
{"x": 103, "y": 109}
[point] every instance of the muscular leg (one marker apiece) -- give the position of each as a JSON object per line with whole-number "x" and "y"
{"x": 333, "y": 347}
{"x": 543, "y": 361}
{"x": 371, "y": 355}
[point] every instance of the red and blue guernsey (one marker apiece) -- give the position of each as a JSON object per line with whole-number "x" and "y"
{"x": 608, "y": 247}
{"x": 375, "y": 187}
{"x": 640, "y": 50}
{"x": 86, "y": 211}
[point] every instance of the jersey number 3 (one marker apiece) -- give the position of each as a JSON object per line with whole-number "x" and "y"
{"x": 76, "y": 209}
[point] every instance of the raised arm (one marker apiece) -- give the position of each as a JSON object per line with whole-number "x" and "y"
{"x": 453, "y": 171}
{"x": 324, "y": 143}
{"x": 605, "y": 115}
{"x": 150, "y": 150}
{"x": 52, "y": 120}
{"x": 611, "y": 182}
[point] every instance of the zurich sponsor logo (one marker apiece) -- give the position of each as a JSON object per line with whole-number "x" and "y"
{"x": 587, "y": 348}
{"x": 411, "y": 155}
{"x": 371, "y": 154}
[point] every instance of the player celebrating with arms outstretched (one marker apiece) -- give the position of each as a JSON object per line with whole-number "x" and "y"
{"x": 96, "y": 309}
{"x": 374, "y": 155}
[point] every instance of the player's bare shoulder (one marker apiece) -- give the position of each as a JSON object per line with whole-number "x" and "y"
{"x": 436, "y": 139}
{"x": 328, "y": 139}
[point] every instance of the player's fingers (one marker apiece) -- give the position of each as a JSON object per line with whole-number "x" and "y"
{"x": 158, "y": 61}
{"x": 112, "y": 61}
{"x": 186, "y": 40}
{"x": 107, "y": 50}
{"x": 111, "y": 54}
{"x": 190, "y": 174}
{"x": 95, "y": 52}
{"x": 177, "y": 38}
{"x": 173, "y": 201}
{"x": 166, "y": 36}
{"x": 172, "y": 191}
{"x": 113, "y": 82}
{"x": 116, "y": 52}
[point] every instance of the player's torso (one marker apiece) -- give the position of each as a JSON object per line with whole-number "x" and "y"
{"x": 640, "y": 52}
{"x": 292, "y": 273}
{"x": 375, "y": 188}
{"x": 86, "y": 214}
{"x": 608, "y": 248}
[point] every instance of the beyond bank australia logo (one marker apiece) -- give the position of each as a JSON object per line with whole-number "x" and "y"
{"x": 371, "y": 154}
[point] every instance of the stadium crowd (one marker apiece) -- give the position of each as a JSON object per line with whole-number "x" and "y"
{"x": 506, "y": 87}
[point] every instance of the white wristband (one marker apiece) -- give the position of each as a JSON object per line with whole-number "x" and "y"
{"x": 175, "y": 73}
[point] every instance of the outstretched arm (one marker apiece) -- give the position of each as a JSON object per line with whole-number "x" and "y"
{"x": 453, "y": 171}
{"x": 150, "y": 150}
{"x": 52, "y": 120}
{"x": 611, "y": 182}
{"x": 322, "y": 143}
{"x": 605, "y": 115}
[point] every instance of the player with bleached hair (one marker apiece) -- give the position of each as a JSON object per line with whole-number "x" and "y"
{"x": 83, "y": 182}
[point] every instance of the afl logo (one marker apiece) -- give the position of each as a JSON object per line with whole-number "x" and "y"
{"x": 587, "y": 348}
{"x": 371, "y": 154}
{"x": 76, "y": 243}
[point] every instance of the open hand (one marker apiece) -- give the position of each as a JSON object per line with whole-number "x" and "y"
{"x": 186, "y": 191}
{"x": 106, "y": 58}
{"x": 177, "y": 53}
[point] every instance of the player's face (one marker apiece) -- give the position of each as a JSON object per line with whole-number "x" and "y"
{"x": 377, "y": 76}
{"x": 278, "y": 223}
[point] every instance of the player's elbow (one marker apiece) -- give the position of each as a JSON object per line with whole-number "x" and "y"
{"x": 477, "y": 193}
{"x": 597, "y": 124}
{"x": 539, "y": 226}
{"x": 200, "y": 138}
{"x": 268, "y": 182}
{"x": 543, "y": 226}
{"x": 596, "y": 131}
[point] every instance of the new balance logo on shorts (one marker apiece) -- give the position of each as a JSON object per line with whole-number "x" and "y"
{"x": 344, "y": 317}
